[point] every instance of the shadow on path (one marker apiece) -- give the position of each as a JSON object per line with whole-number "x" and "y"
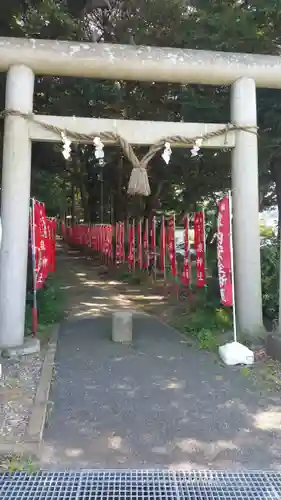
{"x": 157, "y": 403}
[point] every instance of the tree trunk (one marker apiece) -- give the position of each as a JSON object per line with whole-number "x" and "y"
{"x": 152, "y": 201}
{"x": 79, "y": 172}
{"x": 119, "y": 199}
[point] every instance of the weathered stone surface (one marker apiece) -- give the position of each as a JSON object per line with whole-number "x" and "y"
{"x": 122, "y": 326}
{"x": 144, "y": 63}
{"x": 30, "y": 346}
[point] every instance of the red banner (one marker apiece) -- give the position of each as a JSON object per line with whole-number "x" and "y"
{"x": 52, "y": 229}
{"x": 122, "y": 241}
{"x": 224, "y": 252}
{"x": 172, "y": 245}
{"x": 99, "y": 245}
{"x": 117, "y": 243}
{"x": 103, "y": 239}
{"x": 153, "y": 241}
{"x": 106, "y": 240}
{"x": 69, "y": 233}
{"x": 186, "y": 262}
{"x": 41, "y": 243}
{"x": 110, "y": 236}
{"x": 54, "y": 243}
{"x": 78, "y": 235}
{"x": 146, "y": 246}
{"x": 94, "y": 238}
{"x": 199, "y": 243}
{"x": 131, "y": 253}
{"x": 87, "y": 238}
{"x": 140, "y": 244}
{"x": 163, "y": 245}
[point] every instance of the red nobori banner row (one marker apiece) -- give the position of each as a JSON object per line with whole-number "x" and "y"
{"x": 136, "y": 243}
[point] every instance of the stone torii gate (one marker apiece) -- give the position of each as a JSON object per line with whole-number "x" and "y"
{"x": 23, "y": 58}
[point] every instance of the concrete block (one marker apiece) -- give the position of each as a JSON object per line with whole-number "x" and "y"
{"x": 122, "y": 326}
{"x": 31, "y": 346}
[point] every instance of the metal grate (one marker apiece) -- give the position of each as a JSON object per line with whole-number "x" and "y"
{"x": 140, "y": 485}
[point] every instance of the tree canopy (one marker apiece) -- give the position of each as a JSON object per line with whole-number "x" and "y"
{"x": 229, "y": 25}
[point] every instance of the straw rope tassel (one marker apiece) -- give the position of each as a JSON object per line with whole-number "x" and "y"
{"x": 139, "y": 182}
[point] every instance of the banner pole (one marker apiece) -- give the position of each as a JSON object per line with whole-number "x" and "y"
{"x": 34, "y": 275}
{"x": 140, "y": 245}
{"x": 279, "y": 314}
{"x": 163, "y": 245}
{"x": 205, "y": 251}
{"x": 124, "y": 238}
{"x": 190, "y": 254}
{"x": 176, "y": 261}
{"x": 147, "y": 245}
{"x": 155, "y": 250}
{"x": 232, "y": 267}
{"x": 134, "y": 244}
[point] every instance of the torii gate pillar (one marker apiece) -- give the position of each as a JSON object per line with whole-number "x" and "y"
{"x": 245, "y": 191}
{"x": 15, "y": 203}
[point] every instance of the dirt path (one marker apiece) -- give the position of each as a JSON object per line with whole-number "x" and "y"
{"x": 88, "y": 294}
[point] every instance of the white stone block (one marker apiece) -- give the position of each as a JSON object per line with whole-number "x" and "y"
{"x": 122, "y": 326}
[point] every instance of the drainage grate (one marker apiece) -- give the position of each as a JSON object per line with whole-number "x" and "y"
{"x": 140, "y": 485}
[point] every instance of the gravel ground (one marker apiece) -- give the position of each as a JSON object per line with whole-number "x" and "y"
{"x": 18, "y": 387}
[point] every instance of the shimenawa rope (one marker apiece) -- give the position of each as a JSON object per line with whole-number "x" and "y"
{"x": 138, "y": 183}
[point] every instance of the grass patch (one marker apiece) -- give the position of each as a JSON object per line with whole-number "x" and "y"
{"x": 16, "y": 463}
{"x": 139, "y": 278}
{"x": 205, "y": 322}
{"x": 133, "y": 278}
{"x": 51, "y": 307}
{"x": 123, "y": 275}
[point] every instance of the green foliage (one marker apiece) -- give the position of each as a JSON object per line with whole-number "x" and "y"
{"x": 124, "y": 275}
{"x": 266, "y": 231}
{"x": 206, "y": 322}
{"x": 50, "y": 187}
{"x": 207, "y": 339}
{"x": 16, "y": 463}
{"x": 245, "y": 371}
{"x": 50, "y": 304}
{"x": 270, "y": 278}
{"x": 208, "y": 316}
{"x": 134, "y": 278}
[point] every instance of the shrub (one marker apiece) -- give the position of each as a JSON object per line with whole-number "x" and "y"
{"x": 50, "y": 304}
{"x": 50, "y": 301}
{"x": 270, "y": 278}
